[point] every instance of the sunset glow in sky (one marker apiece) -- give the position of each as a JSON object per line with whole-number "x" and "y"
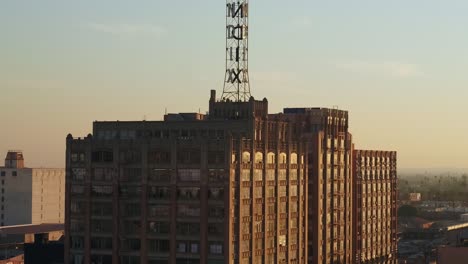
{"x": 399, "y": 67}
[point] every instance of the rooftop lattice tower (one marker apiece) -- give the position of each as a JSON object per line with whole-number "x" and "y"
{"x": 236, "y": 82}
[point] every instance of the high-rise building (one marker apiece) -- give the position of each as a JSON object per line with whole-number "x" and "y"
{"x": 375, "y": 196}
{"x": 237, "y": 185}
{"x": 330, "y": 182}
{"x": 229, "y": 187}
{"x": 30, "y": 195}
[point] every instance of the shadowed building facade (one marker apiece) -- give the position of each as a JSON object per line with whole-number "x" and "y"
{"x": 227, "y": 187}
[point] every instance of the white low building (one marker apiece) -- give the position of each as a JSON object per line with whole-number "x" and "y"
{"x": 30, "y": 195}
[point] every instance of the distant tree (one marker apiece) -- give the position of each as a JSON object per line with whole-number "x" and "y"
{"x": 464, "y": 180}
{"x": 407, "y": 211}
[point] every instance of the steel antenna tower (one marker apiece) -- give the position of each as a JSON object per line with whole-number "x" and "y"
{"x": 236, "y": 82}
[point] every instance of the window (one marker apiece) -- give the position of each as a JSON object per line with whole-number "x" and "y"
{"x": 216, "y": 211}
{"x": 131, "y": 210}
{"x": 77, "y": 189}
{"x": 188, "y": 193}
{"x": 188, "y": 229}
{"x": 130, "y": 156}
{"x": 131, "y": 174}
{"x": 77, "y": 259}
{"x": 181, "y": 247}
{"x": 188, "y": 156}
{"x": 159, "y": 175}
{"x": 76, "y": 225}
{"x": 132, "y": 227}
{"x": 3, "y": 173}
{"x": 216, "y": 248}
{"x": 158, "y": 210}
{"x": 189, "y": 175}
{"x": 78, "y": 174}
{"x": 101, "y": 226}
{"x": 130, "y": 191}
{"x": 14, "y": 173}
{"x": 159, "y": 157}
{"x": 100, "y": 209}
{"x": 106, "y": 259}
{"x": 129, "y": 259}
{"x": 102, "y": 156}
{"x": 77, "y": 208}
{"x": 103, "y": 174}
{"x": 159, "y": 193}
{"x": 215, "y": 229}
{"x": 101, "y": 191}
{"x": 215, "y": 193}
{"x": 78, "y": 157}
{"x": 101, "y": 243}
{"x": 156, "y": 227}
{"x": 77, "y": 242}
{"x": 158, "y": 245}
{"x": 216, "y": 175}
{"x": 194, "y": 247}
{"x": 131, "y": 244}
{"x": 188, "y": 210}
{"x": 215, "y": 157}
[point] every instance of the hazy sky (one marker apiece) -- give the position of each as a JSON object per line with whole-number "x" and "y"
{"x": 398, "y": 66}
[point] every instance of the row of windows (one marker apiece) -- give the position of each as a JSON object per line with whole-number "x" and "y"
{"x": 4, "y": 173}
{"x": 154, "y": 175}
{"x": 184, "y": 156}
{"x": 154, "y": 245}
{"x": 133, "y": 210}
{"x": 163, "y": 134}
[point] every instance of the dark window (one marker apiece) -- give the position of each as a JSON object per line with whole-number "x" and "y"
{"x": 130, "y": 156}
{"x": 158, "y": 245}
{"x": 14, "y": 173}
{"x": 159, "y": 175}
{"x": 101, "y": 191}
{"x": 101, "y": 243}
{"x": 101, "y": 226}
{"x": 215, "y": 157}
{"x": 188, "y": 229}
{"x": 155, "y": 227}
{"x": 159, "y": 193}
{"x": 102, "y": 156}
{"x": 188, "y": 156}
{"x": 106, "y": 259}
{"x": 131, "y": 174}
{"x": 131, "y": 244}
{"x": 159, "y": 157}
{"x": 3, "y": 173}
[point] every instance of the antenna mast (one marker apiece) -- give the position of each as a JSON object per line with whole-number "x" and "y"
{"x": 236, "y": 82}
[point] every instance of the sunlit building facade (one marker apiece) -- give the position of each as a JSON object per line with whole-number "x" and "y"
{"x": 330, "y": 213}
{"x": 29, "y": 195}
{"x": 375, "y": 206}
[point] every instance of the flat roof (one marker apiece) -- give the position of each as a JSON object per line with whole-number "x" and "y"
{"x": 31, "y": 229}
